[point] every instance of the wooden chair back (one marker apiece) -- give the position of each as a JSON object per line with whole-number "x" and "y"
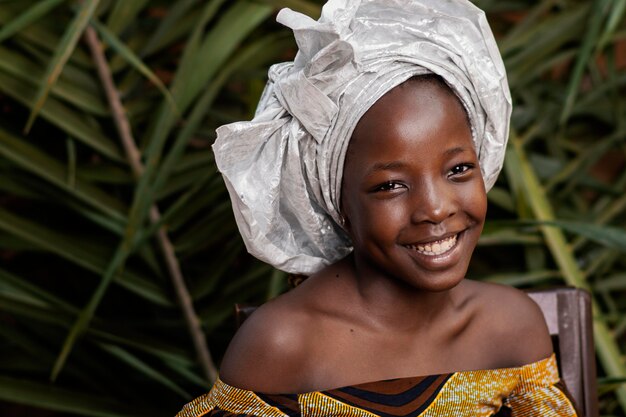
{"x": 568, "y": 314}
{"x": 569, "y": 317}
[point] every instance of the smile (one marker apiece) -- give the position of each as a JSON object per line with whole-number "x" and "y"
{"x": 436, "y": 248}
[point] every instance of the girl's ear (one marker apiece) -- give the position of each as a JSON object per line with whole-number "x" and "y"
{"x": 344, "y": 222}
{"x": 344, "y": 210}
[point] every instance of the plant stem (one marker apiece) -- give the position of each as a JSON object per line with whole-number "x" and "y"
{"x": 606, "y": 346}
{"x": 134, "y": 158}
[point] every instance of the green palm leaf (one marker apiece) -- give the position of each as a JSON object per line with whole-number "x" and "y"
{"x": 62, "y": 54}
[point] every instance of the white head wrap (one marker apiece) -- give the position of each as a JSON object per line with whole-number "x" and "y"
{"x": 284, "y": 168}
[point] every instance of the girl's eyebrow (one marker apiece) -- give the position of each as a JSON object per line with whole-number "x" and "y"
{"x": 456, "y": 150}
{"x": 385, "y": 166}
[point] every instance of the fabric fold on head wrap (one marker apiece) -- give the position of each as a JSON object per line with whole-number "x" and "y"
{"x": 284, "y": 168}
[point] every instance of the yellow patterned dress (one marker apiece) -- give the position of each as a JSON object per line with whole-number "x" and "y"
{"x": 530, "y": 390}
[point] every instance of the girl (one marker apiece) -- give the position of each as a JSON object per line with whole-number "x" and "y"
{"x": 366, "y": 168}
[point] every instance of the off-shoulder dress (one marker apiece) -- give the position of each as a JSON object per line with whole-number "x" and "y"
{"x": 530, "y": 390}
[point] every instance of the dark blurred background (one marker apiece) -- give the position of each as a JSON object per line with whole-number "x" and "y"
{"x": 97, "y": 251}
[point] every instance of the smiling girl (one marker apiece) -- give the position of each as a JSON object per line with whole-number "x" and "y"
{"x": 366, "y": 168}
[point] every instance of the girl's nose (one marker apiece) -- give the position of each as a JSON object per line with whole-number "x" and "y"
{"x": 433, "y": 203}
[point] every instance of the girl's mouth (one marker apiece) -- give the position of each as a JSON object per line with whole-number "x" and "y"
{"x": 435, "y": 248}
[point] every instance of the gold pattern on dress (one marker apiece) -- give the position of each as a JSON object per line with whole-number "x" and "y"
{"x": 231, "y": 399}
{"x": 529, "y": 391}
{"x": 316, "y": 404}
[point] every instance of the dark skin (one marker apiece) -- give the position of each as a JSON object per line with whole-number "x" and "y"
{"x": 399, "y": 306}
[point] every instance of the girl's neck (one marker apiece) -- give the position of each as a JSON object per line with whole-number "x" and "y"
{"x": 390, "y": 303}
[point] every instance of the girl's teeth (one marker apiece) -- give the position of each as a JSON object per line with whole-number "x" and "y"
{"x": 436, "y": 248}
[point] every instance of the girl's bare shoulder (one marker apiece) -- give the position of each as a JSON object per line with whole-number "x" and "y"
{"x": 276, "y": 345}
{"x": 510, "y": 324}
{"x": 267, "y": 350}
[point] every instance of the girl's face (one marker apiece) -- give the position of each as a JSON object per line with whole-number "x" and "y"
{"x": 413, "y": 196}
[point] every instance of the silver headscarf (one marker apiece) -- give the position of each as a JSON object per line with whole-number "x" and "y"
{"x": 284, "y": 168}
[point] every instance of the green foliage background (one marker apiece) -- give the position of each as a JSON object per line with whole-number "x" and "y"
{"x": 89, "y": 317}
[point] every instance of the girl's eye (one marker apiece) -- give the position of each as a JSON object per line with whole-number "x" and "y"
{"x": 388, "y": 186}
{"x": 461, "y": 169}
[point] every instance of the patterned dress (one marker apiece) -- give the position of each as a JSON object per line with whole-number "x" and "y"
{"x": 529, "y": 390}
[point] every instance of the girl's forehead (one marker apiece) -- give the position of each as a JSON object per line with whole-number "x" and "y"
{"x": 422, "y": 89}
{"x": 419, "y": 103}
{"x": 414, "y": 122}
